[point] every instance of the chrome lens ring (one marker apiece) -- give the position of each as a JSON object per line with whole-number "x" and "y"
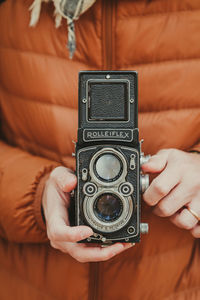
{"x": 126, "y": 189}
{"x": 98, "y": 164}
{"x": 89, "y": 189}
{"x": 104, "y": 226}
{"x": 108, "y": 167}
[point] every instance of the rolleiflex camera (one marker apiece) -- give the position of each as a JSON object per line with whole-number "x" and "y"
{"x": 108, "y": 157}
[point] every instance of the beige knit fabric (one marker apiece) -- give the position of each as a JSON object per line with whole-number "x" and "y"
{"x": 69, "y": 9}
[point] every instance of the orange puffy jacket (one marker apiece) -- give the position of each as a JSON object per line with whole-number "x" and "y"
{"x": 38, "y": 112}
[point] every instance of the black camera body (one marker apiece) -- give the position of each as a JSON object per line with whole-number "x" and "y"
{"x": 108, "y": 157}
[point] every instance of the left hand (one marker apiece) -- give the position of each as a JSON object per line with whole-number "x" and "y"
{"x": 176, "y": 187}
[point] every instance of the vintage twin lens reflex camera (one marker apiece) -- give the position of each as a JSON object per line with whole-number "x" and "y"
{"x": 108, "y": 157}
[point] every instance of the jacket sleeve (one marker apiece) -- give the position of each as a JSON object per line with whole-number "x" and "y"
{"x": 22, "y": 179}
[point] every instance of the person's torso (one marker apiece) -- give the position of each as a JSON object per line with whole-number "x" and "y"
{"x": 38, "y": 100}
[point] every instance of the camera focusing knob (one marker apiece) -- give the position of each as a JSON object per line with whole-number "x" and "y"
{"x": 144, "y": 182}
{"x": 144, "y": 228}
{"x": 144, "y": 159}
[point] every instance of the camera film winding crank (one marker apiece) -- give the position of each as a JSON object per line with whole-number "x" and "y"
{"x": 108, "y": 157}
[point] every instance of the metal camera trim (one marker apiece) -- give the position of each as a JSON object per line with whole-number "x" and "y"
{"x": 102, "y": 182}
{"x": 126, "y": 184}
{"x": 102, "y": 226}
{"x": 89, "y": 183}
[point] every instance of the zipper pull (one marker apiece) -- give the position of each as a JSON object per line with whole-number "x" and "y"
{"x": 71, "y": 45}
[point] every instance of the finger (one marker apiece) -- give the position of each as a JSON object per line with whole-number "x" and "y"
{"x": 55, "y": 204}
{"x": 57, "y": 219}
{"x": 184, "y": 219}
{"x": 156, "y": 163}
{"x": 82, "y": 253}
{"x": 196, "y": 231}
{"x": 161, "y": 185}
{"x": 172, "y": 203}
{"x": 65, "y": 233}
{"x": 65, "y": 179}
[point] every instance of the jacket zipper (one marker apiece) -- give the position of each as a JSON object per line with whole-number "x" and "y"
{"x": 107, "y": 55}
{"x": 94, "y": 281}
{"x": 107, "y": 36}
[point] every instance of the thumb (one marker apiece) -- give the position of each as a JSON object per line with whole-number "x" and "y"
{"x": 156, "y": 163}
{"x": 64, "y": 178}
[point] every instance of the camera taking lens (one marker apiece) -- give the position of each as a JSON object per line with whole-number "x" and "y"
{"x": 108, "y": 207}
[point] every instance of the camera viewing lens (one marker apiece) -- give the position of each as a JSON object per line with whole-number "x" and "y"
{"x": 108, "y": 167}
{"x": 108, "y": 207}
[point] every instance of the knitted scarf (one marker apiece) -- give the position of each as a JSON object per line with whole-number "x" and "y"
{"x": 68, "y": 9}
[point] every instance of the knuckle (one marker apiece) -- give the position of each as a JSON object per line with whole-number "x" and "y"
{"x": 160, "y": 188}
{"x": 165, "y": 209}
{"x": 186, "y": 224}
{"x": 70, "y": 237}
{"x": 195, "y": 234}
{"x": 145, "y": 197}
{"x": 148, "y": 198}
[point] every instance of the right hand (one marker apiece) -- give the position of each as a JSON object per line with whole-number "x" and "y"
{"x": 55, "y": 202}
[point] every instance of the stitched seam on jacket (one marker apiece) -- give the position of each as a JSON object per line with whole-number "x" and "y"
{"x": 168, "y": 252}
{"x": 36, "y": 144}
{"x": 65, "y": 58}
{"x": 17, "y": 138}
{"x": 27, "y": 282}
{"x": 165, "y": 13}
{"x": 21, "y": 97}
{"x": 156, "y": 255}
{"x": 30, "y": 142}
{"x": 92, "y": 66}
{"x": 164, "y": 62}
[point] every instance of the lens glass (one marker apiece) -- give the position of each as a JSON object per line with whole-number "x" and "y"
{"x": 108, "y": 207}
{"x": 108, "y": 167}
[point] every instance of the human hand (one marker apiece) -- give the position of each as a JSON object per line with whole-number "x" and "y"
{"x": 176, "y": 189}
{"x": 55, "y": 202}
